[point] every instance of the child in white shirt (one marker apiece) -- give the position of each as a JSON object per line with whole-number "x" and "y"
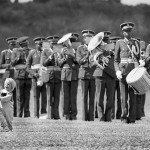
{"x": 6, "y": 105}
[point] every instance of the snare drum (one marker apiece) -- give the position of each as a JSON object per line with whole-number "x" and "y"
{"x": 139, "y": 79}
{"x": 45, "y": 73}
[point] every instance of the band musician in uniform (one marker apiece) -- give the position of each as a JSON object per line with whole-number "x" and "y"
{"x": 33, "y": 67}
{"x": 69, "y": 77}
{"x": 23, "y": 79}
{"x": 86, "y": 71}
{"x": 5, "y": 63}
{"x": 116, "y": 111}
{"x": 50, "y": 60}
{"x": 126, "y": 58}
{"x": 108, "y": 83}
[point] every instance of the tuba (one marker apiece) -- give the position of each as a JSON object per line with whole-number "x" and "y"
{"x": 97, "y": 47}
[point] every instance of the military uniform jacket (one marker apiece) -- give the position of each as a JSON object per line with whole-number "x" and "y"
{"x": 33, "y": 58}
{"x": 69, "y": 66}
{"x": 19, "y": 56}
{"x": 86, "y": 69}
{"x": 5, "y": 63}
{"x": 53, "y": 65}
{"x": 125, "y": 49}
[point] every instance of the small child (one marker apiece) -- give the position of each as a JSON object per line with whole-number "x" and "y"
{"x": 6, "y": 105}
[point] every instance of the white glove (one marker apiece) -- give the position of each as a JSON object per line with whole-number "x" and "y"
{"x": 142, "y": 63}
{"x": 119, "y": 74}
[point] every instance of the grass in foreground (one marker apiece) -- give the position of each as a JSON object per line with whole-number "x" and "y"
{"x": 36, "y": 134}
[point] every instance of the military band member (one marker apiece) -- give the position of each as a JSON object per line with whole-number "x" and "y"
{"x": 23, "y": 79}
{"x": 108, "y": 85}
{"x": 116, "y": 113}
{"x": 33, "y": 67}
{"x": 86, "y": 75}
{"x": 73, "y": 39}
{"x": 126, "y": 59}
{"x": 69, "y": 77}
{"x": 5, "y": 63}
{"x": 50, "y": 59}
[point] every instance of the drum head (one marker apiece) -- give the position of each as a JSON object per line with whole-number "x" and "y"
{"x": 135, "y": 74}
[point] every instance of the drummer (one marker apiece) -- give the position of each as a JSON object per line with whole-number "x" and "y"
{"x": 126, "y": 58}
{"x": 33, "y": 67}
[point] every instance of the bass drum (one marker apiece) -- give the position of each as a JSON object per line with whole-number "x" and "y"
{"x": 110, "y": 69}
{"x": 139, "y": 79}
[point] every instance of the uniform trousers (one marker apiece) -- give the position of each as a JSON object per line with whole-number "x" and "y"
{"x": 70, "y": 99}
{"x": 127, "y": 112}
{"x": 118, "y": 109}
{"x": 37, "y": 91}
{"x": 53, "y": 98}
{"x": 88, "y": 90}
{"x": 108, "y": 85}
{"x": 143, "y": 103}
{"x": 23, "y": 89}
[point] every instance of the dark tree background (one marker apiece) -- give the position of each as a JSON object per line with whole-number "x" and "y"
{"x": 48, "y": 17}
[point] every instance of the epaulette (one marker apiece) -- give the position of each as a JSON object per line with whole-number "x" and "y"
{"x": 32, "y": 50}
{"x": 135, "y": 39}
{"x": 3, "y": 51}
{"x": 120, "y": 40}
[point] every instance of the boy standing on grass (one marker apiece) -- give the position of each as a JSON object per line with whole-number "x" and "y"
{"x": 6, "y": 105}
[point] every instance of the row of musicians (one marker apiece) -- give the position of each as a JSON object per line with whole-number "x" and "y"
{"x": 64, "y": 73}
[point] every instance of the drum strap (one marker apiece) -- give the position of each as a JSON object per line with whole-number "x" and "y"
{"x": 130, "y": 51}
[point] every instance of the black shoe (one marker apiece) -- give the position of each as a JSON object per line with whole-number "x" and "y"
{"x": 26, "y": 116}
{"x": 118, "y": 117}
{"x": 43, "y": 112}
{"x": 130, "y": 121}
{"x": 73, "y": 118}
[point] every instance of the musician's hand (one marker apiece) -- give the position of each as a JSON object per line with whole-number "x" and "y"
{"x": 111, "y": 53}
{"x": 39, "y": 82}
{"x": 142, "y": 63}
{"x": 19, "y": 57}
{"x": 36, "y": 75}
{"x": 9, "y": 66}
{"x": 119, "y": 75}
{"x": 87, "y": 55}
{"x": 51, "y": 56}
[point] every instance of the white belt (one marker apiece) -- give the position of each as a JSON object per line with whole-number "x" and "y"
{"x": 2, "y": 71}
{"x": 20, "y": 66}
{"x": 36, "y": 66}
{"x": 66, "y": 67}
{"x": 127, "y": 60}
